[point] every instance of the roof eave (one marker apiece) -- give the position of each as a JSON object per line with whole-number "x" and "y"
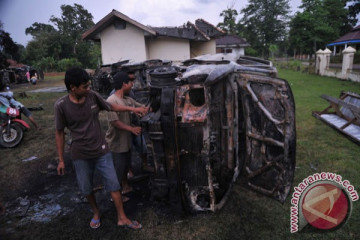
{"x": 232, "y": 45}
{"x": 105, "y": 21}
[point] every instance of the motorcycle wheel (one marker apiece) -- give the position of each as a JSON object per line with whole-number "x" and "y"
{"x": 12, "y": 139}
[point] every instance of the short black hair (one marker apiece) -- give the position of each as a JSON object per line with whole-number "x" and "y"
{"x": 120, "y": 78}
{"x": 75, "y": 76}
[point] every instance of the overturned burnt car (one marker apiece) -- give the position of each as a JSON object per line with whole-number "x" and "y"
{"x": 101, "y": 80}
{"x": 18, "y": 74}
{"x": 213, "y": 121}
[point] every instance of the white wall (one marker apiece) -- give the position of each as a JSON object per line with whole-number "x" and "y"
{"x": 169, "y": 48}
{"x": 239, "y": 51}
{"x": 122, "y": 44}
{"x": 323, "y": 63}
{"x": 202, "y": 48}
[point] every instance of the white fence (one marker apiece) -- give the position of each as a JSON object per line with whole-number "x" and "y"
{"x": 346, "y": 73}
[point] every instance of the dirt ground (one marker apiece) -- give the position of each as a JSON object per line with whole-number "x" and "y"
{"x": 36, "y": 199}
{"x": 31, "y": 191}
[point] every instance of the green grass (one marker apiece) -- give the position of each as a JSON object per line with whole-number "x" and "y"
{"x": 247, "y": 215}
{"x": 320, "y": 148}
{"x": 317, "y": 143}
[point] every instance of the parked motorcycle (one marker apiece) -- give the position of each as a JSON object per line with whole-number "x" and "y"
{"x": 11, "y": 127}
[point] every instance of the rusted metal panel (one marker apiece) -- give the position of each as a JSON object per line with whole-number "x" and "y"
{"x": 270, "y": 134}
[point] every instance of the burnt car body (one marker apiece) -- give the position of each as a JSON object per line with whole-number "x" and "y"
{"x": 101, "y": 80}
{"x": 213, "y": 121}
{"x": 17, "y": 75}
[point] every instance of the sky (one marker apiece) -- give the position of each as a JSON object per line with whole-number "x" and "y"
{"x": 17, "y": 15}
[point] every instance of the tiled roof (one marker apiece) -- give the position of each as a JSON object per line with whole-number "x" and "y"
{"x": 200, "y": 31}
{"x": 188, "y": 31}
{"x": 209, "y": 29}
{"x": 231, "y": 40}
{"x": 109, "y": 19}
{"x": 351, "y": 37}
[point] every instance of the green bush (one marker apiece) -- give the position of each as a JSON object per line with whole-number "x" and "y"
{"x": 64, "y": 64}
{"x": 46, "y": 64}
{"x": 251, "y": 52}
{"x": 294, "y": 65}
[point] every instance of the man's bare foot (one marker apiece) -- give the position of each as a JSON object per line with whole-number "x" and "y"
{"x": 132, "y": 224}
{"x": 95, "y": 221}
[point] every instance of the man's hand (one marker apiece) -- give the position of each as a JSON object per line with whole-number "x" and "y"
{"x": 136, "y": 130}
{"x": 61, "y": 168}
{"x": 141, "y": 111}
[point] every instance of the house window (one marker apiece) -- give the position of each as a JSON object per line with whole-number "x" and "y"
{"x": 228, "y": 50}
{"x": 119, "y": 24}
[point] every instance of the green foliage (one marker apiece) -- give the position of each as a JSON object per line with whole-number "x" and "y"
{"x": 73, "y": 21}
{"x": 249, "y": 51}
{"x": 35, "y": 50}
{"x": 89, "y": 53}
{"x": 7, "y": 47}
{"x": 229, "y": 23}
{"x": 320, "y": 22}
{"x": 47, "y": 64}
{"x": 65, "y": 63}
{"x": 273, "y": 48}
{"x": 338, "y": 18}
{"x": 294, "y": 65}
{"x": 265, "y": 23}
{"x": 64, "y": 41}
{"x": 354, "y": 8}
{"x": 37, "y": 29}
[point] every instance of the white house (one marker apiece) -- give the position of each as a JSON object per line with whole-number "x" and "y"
{"x": 123, "y": 38}
{"x": 231, "y": 44}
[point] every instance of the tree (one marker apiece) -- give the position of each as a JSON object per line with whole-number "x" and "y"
{"x": 38, "y": 29}
{"x": 265, "y": 23}
{"x": 73, "y": 22}
{"x": 320, "y": 22}
{"x": 273, "y": 49}
{"x": 338, "y": 17}
{"x": 354, "y": 10}
{"x": 63, "y": 39}
{"x": 229, "y": 24}
{"x": 7, "y": 47}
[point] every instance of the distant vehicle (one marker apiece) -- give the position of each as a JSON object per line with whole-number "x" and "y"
{"x": 18, "y": 75}
{"x": 213, "y": 120}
